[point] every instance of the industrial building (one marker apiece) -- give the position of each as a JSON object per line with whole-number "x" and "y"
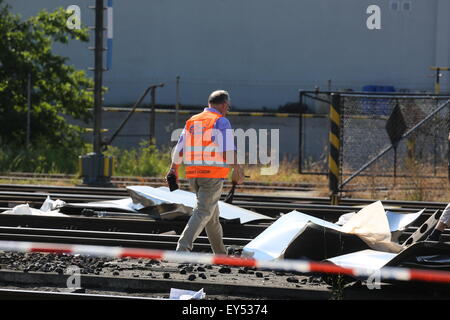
{"x": 263, "y": 51}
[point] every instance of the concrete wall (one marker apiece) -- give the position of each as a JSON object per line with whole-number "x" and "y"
{"x": 262, "y": 51}
{"x": 137, "y": 130}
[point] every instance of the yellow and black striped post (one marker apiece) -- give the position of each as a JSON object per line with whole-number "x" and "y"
{"x": 334, "y": 148}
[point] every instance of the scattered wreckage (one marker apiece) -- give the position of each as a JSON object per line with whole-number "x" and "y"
{"x": 156, "y": 203}
{"x": 366, "y": 239}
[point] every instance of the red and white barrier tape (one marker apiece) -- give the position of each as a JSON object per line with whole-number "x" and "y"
{"x": 302, "y": 266}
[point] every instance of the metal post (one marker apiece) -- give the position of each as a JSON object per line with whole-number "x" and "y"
{"x": 334, "y": 148}
{"x": 395, "y": 164}
{"x": 434, "y": 153}
{"x": 300, "y": 132}
{"x": 177, "y": 105}
{"x": 98, "y": 75}
{"x": 29, "y": 110}
{"x": 152, "y": 136}
{"x": 152, "y": 116}
{"x": 437, "y": 86}
{"x": 448, "y": 142}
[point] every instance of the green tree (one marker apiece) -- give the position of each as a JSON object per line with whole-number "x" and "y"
{"x": 58, "y": 89}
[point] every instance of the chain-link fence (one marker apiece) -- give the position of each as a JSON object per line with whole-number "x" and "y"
{"x": 373, "y": 142}
{"x": 314, "y": 128}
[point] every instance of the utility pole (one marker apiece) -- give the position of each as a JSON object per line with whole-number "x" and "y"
{"x": 95, "y": 168}
{"x": 29, "y": 110}
{"x": 177, "y": 105}
{"x": 98, "y": 76}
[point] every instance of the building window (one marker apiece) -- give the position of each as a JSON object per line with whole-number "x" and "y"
{"x": 394, "y": 5}
{"x": 406, "y": 5}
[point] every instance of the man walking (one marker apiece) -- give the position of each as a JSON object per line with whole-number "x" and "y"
{"x": 206, "y": 147}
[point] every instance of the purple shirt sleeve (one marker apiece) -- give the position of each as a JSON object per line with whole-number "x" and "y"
{"x": 180, "y": 143}
{"x": 227, "y": 141}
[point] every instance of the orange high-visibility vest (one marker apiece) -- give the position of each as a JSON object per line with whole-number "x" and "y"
{"x": 201, "y": 155}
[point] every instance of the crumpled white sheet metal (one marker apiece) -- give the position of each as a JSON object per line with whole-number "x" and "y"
{"x": 50, "y": 205}
{"x": 24, "y": 209}
{"x": 397, "y": 221}
{"x": 366, "y": 259}
{"x": 163, "y": 195}
{"x": 125, "y": 204}
{"x": 274, "y": 241}
{"x": 372, "y": 226}
{"x": 181, "y": 294}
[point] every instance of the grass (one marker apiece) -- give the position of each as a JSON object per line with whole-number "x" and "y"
{"x": 148, "y": 161}
{"x": 38, "y": 158}
{"x": 418, "y": 184}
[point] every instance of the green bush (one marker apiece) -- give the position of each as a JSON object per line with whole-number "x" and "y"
{"x": 39, "y": 158}
{"x": 147, "y": 160}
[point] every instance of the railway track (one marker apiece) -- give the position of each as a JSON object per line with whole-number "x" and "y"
{"x": 11, "y": 195}
{"x": 120, "y": 181}
{"x": 108, "y": 238}
{"x": 98, "y": 193}
{"x": 20, "y": 294}
{"x": 268, "y": 205}
{"x": 144, "y": 232}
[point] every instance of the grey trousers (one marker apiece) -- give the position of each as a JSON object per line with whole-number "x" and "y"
{"x": 204, "y": 216}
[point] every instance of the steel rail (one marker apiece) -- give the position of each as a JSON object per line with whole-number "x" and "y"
{"x": 17, "y": 294}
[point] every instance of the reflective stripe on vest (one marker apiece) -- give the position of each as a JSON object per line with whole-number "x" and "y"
{"x": 201, "y": 155}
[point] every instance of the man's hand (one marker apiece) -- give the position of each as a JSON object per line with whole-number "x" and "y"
{"x": 238, "y": 175}
{"x": 172, "y": 171}
{"x": 172, "y": 178}
{"x": 448, "y": 136}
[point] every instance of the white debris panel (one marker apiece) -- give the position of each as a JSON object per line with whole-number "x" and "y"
{"x": 125, "y": 204}
{"x": 397, "y": 221}
{"x": 143, "y": 197}
{"x": 25, "y": 209}
{"x": 273, "y": 242}
{"x": 162, "y": 195}
{"x": 366, "y": 259}
{"x": 371, "y": 224}
{"x": 434, "y": 255}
